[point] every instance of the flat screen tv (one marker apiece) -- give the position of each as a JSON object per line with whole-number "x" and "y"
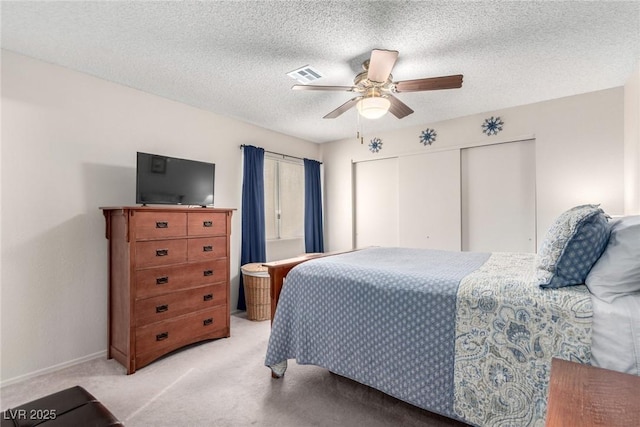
{"x": 172, "y": 181}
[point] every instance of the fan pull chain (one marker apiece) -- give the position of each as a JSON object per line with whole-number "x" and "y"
{"x": 359, "y": 129}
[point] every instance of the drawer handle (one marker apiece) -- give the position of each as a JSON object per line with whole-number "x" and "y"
{"x": 162, "y": 252}
{"x": 207, "y": 223}
{"x": 162, "y": 280}
{"x": 207, "y": 322}
{"x": 207, "y": 248}
{"x": 162, "y": 308}
{"x": 207, "y": 297}
{"x": 208, "y": 273}
{"x": 162, "y": 336}
{"x": 162, "y": 224}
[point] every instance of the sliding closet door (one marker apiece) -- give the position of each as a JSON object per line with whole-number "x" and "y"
{"x": 498, "y": 197}
{"x": 430, "y": 200}
{"x": 376, "y": 203}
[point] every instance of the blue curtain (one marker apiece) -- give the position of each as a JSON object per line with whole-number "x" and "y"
{"x": 313, "y": 233}
{"x": 253, "y": 228}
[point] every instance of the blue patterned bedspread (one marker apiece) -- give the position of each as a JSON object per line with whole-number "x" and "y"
{"x": 387, "y": 316}
{"x": 467, "y": 335}
{"x": 507, "y": 331}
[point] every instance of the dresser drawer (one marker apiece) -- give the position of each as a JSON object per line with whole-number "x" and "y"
{"x": 162, "y": 280}
{"x": 202, "y": 248}
{"x": 176, "y": 332}
{"x": 161, "y": 307}
{"x": 159, "y": 225}
{"x": 206, "y": 223}
{"x": 160, "y": 252}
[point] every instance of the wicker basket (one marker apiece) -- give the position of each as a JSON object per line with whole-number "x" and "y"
{"x": 257, "y": 291}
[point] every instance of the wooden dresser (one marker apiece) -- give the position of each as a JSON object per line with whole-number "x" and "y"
{"x": 168, "y": 280}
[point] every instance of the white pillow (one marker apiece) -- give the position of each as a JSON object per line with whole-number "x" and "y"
{"x": 617, "y": 271}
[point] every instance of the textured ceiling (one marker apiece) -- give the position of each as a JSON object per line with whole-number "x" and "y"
{"x": 232, "y": 57}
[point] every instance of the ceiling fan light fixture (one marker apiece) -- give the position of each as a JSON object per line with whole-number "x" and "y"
{"x": 375, "y": 87}
{"x": 373, "y": 107}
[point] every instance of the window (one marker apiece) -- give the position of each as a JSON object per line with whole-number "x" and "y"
{"x": 284, "y": 199}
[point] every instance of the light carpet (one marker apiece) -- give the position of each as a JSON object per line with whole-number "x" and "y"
{"x": 225, "y": 383}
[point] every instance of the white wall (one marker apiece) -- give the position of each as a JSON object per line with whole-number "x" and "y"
{"x": 68, "y": 146}
{"x": 579, "y": 155}
{"x": 632, "y": 143}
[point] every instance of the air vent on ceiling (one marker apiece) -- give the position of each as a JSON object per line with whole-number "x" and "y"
{"x": 306, "y": 74}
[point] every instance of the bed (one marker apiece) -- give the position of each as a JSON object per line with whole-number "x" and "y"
{"x": 466, "y": 335}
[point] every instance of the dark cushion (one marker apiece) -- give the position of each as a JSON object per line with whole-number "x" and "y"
{"x": 74, "y": 406}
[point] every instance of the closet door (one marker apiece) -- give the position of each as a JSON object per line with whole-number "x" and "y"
{"x": 376, "y": 203}
{"x": 498, "y": 197}
{"x": 430, "y": 201}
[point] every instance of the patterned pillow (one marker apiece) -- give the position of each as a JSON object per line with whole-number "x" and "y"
{"x": 571, "y": 247}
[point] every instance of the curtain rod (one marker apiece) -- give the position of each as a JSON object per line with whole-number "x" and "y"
{"x": 278, "y": 154}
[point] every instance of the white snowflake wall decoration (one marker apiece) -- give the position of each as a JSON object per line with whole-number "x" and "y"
{"x": 375, "y": 145}
{"x": 492, "y": 126}
{"x": 428, "y": 137}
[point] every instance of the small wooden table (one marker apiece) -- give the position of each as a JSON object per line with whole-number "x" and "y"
{"x": 583, "y": 395}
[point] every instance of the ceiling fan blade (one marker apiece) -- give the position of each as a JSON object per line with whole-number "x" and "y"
{"x": 380, "y": 64}
{"x": 344, "y": 107}
{"x": 433, "y": 83}
{"x": 307, "y": 87}
{"x": 398, "y": 108}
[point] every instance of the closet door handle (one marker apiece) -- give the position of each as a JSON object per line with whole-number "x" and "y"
{"x": 162, "y": 224}
{"x": 162, "y": 336}
{"x": 162, "y": 280}
{"x": 162, "y": 308}
{"x": 162, "y": 252}
{"x": 207, "y": 322}
{"x": 207, "y": 223}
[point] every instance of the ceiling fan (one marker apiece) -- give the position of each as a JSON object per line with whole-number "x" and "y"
{"x": 376, "y": 88}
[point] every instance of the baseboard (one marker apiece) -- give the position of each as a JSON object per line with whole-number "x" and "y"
{"x": 53, "y": 368}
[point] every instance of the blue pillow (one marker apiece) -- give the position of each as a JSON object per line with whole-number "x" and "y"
{"x": 572, "y": 245}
